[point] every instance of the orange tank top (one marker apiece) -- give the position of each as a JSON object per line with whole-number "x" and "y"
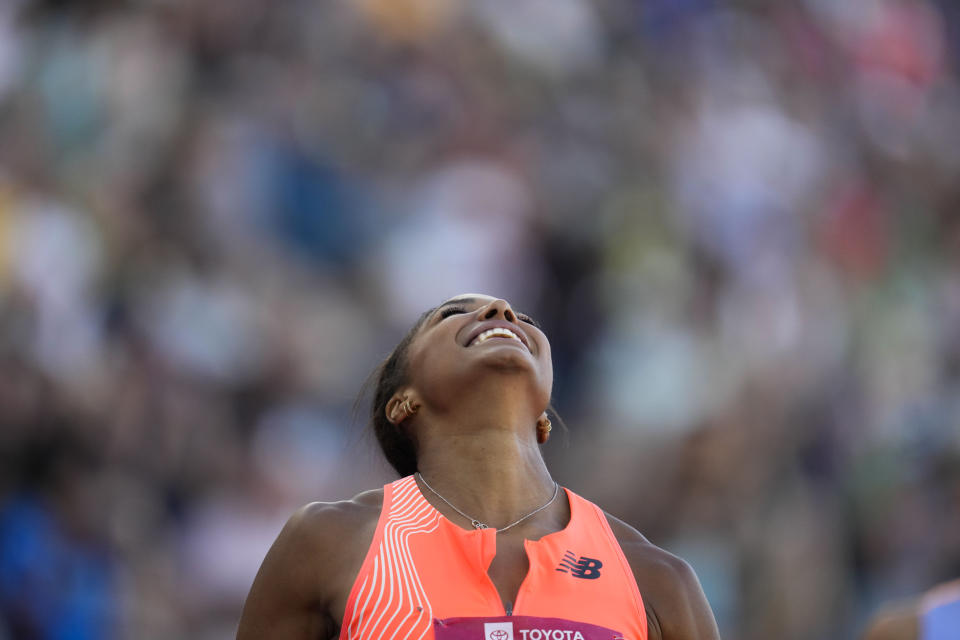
{"x": 421, "y": 567}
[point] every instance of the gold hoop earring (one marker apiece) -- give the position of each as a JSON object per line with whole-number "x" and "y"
{"x": 544, "y": 427}
{"x": 409, "y": 408}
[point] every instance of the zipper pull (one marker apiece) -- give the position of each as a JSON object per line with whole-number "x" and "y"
{"x": 509, "y": 608}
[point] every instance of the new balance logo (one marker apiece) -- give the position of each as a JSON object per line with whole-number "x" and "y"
{"x": 582, "y": 567}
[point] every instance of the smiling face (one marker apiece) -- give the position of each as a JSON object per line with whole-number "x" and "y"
{"x": 475, "y": 339}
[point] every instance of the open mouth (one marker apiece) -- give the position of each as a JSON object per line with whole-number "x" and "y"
{"x": 496, "y": 332}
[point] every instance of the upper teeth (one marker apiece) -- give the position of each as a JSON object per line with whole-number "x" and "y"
{"x": 496, "y": 332}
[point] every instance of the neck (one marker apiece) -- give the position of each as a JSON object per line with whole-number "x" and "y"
{"x": 486, "y": 462}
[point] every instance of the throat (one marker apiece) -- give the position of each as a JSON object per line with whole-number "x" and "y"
{"x": 487, "y": 477}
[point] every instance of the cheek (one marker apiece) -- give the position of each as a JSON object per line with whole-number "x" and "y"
{"x": 545, "y": 358}
{"x": 427, "y": 362}
{"x": 416, "y": 362}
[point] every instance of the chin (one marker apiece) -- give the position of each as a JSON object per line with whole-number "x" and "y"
{"x": 510, "y": 358}
{"x": 517, "y": 365}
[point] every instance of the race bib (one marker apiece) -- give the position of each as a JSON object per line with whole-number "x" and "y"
{"x": 520, "y": 628}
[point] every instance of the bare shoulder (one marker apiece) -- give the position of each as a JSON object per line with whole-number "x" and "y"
{"x": 898, "y": 622}
{"x": 677, "y": 608}
{"x": 326, "y": 531}
{"x": 306, "y": 576}
{"x": 323, "y": 522}
{"x": 333, "y": 537}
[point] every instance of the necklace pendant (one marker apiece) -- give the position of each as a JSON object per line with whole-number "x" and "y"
{"x": 478, "y": 525}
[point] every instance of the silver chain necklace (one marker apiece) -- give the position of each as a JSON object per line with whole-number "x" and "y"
{"x": 479, "y": 525}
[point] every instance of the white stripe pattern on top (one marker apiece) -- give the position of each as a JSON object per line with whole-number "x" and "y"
{"x": 392, "y": 586}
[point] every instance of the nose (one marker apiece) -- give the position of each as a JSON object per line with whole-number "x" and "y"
{"x": 498, "y": 307}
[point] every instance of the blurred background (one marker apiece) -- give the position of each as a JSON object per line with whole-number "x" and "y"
{"x": 738, "y": 221}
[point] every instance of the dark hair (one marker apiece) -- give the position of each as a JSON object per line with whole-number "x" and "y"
{"x": 398, "y": 447}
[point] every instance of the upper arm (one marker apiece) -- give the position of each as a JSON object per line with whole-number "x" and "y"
{"x": 677, "y": 608}
{"x": 678, "y": 601}
{"x": 305, "y": 578}
{"x": 287, "y": 596}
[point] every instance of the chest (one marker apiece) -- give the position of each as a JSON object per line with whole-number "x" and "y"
{"x": 421, "y": 567}
{"x": 507, "y": 571}
{"x": 412, "y": 580}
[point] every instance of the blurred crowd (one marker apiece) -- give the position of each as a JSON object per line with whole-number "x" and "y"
{"x": 738, "y": 221}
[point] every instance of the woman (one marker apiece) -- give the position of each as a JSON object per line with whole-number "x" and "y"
{"x": 476, "y": 540}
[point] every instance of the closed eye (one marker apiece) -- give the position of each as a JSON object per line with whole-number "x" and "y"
{"x": 451, "y": 310}
{"x": 525, "y": 318}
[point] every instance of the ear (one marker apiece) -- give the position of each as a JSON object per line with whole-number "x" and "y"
{"x": 401, "y": 405}
{"x": 394, "y": 410}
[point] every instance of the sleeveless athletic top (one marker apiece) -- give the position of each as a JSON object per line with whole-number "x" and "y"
{"x": 421, "y": 567}
{"x": 940, "y": 615}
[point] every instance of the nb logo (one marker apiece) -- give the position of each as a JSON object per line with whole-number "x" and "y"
{"x": 582, "y": 567}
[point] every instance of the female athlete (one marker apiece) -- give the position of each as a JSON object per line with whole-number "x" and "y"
{"x": 476, "y": 540}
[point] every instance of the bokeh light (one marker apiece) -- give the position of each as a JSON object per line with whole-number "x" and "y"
{"x": 738, "y": 221}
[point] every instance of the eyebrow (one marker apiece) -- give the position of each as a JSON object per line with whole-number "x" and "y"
{"x": 457, "y": 301}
